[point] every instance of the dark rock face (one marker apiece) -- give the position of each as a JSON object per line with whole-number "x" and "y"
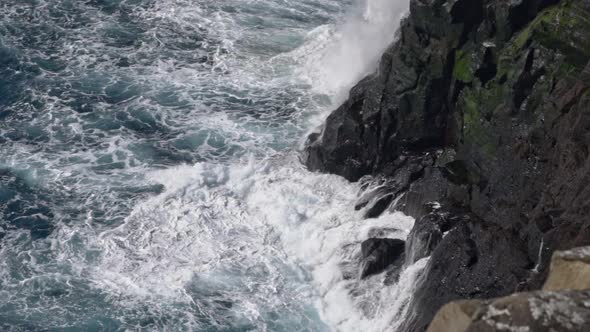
{"x": 379, "y": 254}
{"x": 475, "y": 260}
{"x": 563, "y": 305}
{"x": 482, "y": 106}
{"x": 424, "y": 237}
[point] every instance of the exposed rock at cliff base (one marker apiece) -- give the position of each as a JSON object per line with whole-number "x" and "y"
{"x": 379, "y": 254}
{"x": 569, "y": 270}
{"x": 455, "y": 316}
{"x": 481, "y": 105}
{"x": 424, "y": 237}
{"x": 564, "y": 305}
{"x": 564, "y": 311}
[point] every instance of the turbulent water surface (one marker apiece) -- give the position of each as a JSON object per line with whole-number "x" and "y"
{"x": 149, "y": 174}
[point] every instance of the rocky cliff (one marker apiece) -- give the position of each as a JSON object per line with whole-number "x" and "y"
{"x": 563, "y": 304}
{"x": 482, "y": 106}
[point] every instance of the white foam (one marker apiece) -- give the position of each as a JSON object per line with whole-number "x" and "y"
{"x": 268, "y": 217}
{"x": 259, "y": 232}
{"x": 338, "y": 56}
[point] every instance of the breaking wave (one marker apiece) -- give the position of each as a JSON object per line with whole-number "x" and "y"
{"x": 150, "y": 178}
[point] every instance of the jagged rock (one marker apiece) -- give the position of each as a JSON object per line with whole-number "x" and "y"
{"x": 424, "y": 237}
{"x": 428, "y": 186}
{"x": 370, "y": 195}
{"x": 539, "y": 311}
{"x": 506, "y": 86}
{"x": 379, "y": 254}
{"x": 474, "y": 260}
{"x": 372, "y": 129}
{"x": 377, "y": 198}
{"x": 380, "y": 205}
{"x": 569, "y": 270}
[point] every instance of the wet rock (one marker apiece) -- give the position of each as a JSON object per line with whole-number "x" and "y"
{"x": 557, "y": 308}
{"x": 505, "y": 86}
{"x": 383, "y": 119}
{"x": 380, "y": 205}
{"x": 474, "y": 260}
{"x": 385, "y": 232}
{"x": 424, "y": 191}
{"x": 337, "y": 148}
{"x": 379, "y": 254}
{"x": 393, "y": 272}
{"x": 371, "y": 195}
{"x": 424, "y": 237}
{"x": 376, "y": 200}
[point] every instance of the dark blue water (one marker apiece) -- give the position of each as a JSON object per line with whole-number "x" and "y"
{"x": 148, "y": 166}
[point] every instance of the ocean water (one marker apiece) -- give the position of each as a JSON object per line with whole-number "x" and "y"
{"x": 149, "y": 167}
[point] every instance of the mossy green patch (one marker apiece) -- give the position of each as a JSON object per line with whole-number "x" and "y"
{"x": 521, "y": 39}
{"x": 560, "y": 37}
{"x": 471, "y": 115}
{"x": 475, "y": 130}
{"x": 564, "y": 28}
{"x": 462, "y": 69}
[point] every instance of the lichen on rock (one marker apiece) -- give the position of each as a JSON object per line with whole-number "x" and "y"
{"x": 560, "y": 307}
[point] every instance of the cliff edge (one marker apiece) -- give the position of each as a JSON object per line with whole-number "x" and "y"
{"x": 482, "y": 106}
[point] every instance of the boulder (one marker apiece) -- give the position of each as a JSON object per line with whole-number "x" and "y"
{"x": 379, "y": 254}
{"x": 379, "y": 206}
{"x": 569, "y": 269}
{"x": 539, "y": 311}
{"x": 455, "y": 316}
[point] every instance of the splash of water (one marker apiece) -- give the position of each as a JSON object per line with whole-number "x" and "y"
{"x": 167, "y": 174}
{"x": 336, "y": 57}
{"x": 247, "y": 226}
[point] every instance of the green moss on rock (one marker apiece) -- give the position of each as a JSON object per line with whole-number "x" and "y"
{"x": 475, "y": 129}
{"x": 462, "y": 69}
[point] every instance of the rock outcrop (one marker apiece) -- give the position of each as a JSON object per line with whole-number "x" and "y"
{"x": 482, "y": 106}
{"x": 424, "y": 237}
{"x": 378, "y": 254}
{"x": 569, "y": 270}
{"x": 563, "y": 305}
{"x": 564, "y": 311}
